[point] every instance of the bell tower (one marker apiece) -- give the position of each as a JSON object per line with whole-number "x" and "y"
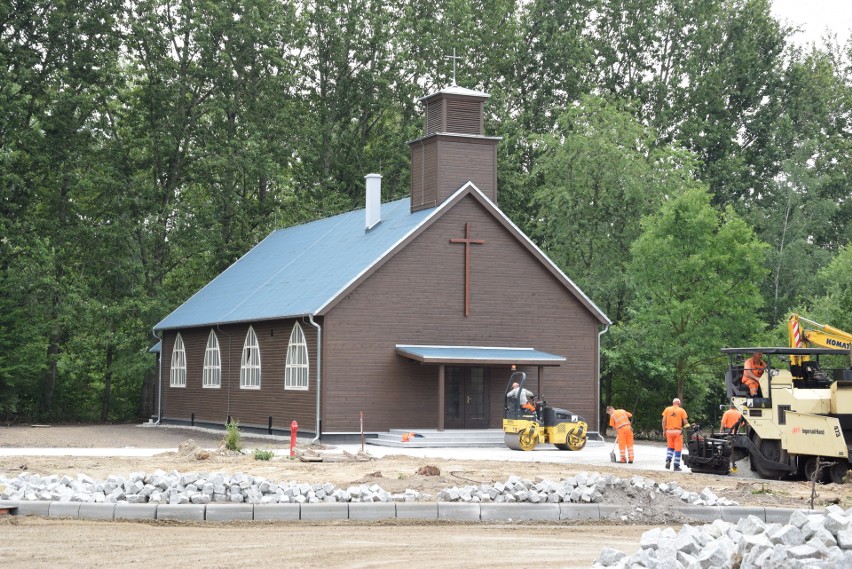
{"x": 453, "y": 149}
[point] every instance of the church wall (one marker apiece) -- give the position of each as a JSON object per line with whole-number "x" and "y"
{"x": 417, "y": 297}
{"x": 250, "y": 407}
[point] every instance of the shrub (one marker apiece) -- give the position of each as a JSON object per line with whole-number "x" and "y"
{"x": 263, "y": 454}
{"x": 232, "y": 436}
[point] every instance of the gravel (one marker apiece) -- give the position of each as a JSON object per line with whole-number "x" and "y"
{"x": 807, "y": 540}
{"x": 174, "y": 487}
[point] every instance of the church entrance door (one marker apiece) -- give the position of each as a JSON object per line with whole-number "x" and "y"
{"x": 466, "y": 398}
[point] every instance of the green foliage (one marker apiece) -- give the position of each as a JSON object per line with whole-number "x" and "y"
{"x": 696, "y": 272}
{"x": 263, "y": 454}
{"x": 602, "y": 166}
{"x": 232, "y": 436}
{"x": 145, "y": 146}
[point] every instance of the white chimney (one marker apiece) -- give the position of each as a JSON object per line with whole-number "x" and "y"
{"x": 374, "y": 199}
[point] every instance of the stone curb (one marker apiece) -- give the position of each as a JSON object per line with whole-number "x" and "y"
{"x": 454, "y": 511}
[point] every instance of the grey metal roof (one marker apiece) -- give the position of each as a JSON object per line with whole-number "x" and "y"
{"x": 306, "y": 269}
{"x": 456, "y": 90}
{"x": 296, "y": 271}
{"x": 478, "y": 354}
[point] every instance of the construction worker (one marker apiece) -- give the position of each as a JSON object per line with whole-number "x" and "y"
{"x": 674, "y": 421}
{"x": 526, "y": 396}
{"x": 619, "y": 419}
{"x": 752, "y": 371}
{"x": 730, "y": 418}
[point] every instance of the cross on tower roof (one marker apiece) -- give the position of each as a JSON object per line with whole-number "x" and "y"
{"x": 454, "y": 58}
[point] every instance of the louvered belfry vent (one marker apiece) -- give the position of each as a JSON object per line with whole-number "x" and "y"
{"x": 434, "y": 116}
{"x": 453, "y": 149}
{"x": 464, "y": 117}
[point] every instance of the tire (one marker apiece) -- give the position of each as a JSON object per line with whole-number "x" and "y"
{"x": 810, "y": 466}
{"x": 771, "y": 450}
{"x": 839, "y": 472}
{"x": 526, "y": 440}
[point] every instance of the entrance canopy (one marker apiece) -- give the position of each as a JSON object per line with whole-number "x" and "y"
{"x": 483, "y": 355}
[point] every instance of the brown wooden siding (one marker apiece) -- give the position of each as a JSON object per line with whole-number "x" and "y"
{"x": 441, "y": 164}
{"x": 424, "y": 173}
{"x": 251, "y": 407}
{"x": 418, "y": 298}
{"x": 467, "y": 160}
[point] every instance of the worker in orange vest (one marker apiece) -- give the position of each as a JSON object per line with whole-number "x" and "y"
{"x": 619, "y": 419}
{"x": 674, "y": 421}
{"x": 752, "y": 371}
{"x": 730, "y": 418}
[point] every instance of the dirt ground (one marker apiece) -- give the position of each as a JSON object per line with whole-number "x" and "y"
{"x": 36, "y": 543}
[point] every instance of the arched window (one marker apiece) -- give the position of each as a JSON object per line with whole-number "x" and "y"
{"x": 296, "y": 371}
{"x": 250, "y": 363}
{"x": 212, "y": 376}
{"x": 178, "y": 374}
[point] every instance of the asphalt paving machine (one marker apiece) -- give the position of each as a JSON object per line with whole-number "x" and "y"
{"x": 800, "y": 421}
{"x": 529, "y": 421}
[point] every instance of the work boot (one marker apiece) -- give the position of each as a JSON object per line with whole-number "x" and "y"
{"x": 668, "y": 464}
{"x": 676, "y": 468}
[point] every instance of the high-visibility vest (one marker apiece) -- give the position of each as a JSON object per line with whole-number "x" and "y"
{"x": 675, "y": 417}
{"x": 619, "y": 418}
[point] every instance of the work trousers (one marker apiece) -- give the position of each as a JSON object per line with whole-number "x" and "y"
{"x": 625, "y": 442}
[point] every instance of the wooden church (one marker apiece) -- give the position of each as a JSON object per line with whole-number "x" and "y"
{"x": 411, "y": 312}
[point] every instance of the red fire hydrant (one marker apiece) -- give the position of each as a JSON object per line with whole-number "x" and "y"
{"x": 294, "y": 428}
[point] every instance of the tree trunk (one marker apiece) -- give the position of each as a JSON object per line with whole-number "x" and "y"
{"x": 107, "y": 384}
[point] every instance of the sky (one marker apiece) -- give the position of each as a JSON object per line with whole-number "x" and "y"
{"x": 815, "y": 16}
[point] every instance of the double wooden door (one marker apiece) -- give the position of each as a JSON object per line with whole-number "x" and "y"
{"x": 466, "y": 398}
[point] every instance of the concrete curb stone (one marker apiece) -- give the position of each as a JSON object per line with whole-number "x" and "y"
{"x": 34, "y": 508}
{"x": 181, "y": 512}
{"x": 372, "y": 511}
{"x": 516, "y": 512}
{"x": 325, "y": 511}
{"x": 229, "y": 512}
{"x": 782, "y": 515}
{"x": 701, "y": 513}
{"x": 96, "y": 511}
{"x": 734, "y": 513}
{"x": 458, "y": 511}
{"x": 579, "y": 511}
{"x": 127, "y": 511}
{"x": 277, "y": 512}
{"x": 335, "y": 511}
{"x": 417, "y": 511}
{"x": 64, "y": 510}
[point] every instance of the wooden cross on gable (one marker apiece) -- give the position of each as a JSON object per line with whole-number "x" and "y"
{"x": 467, "y": 243}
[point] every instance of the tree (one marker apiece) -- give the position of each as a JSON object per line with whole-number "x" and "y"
{"x": 696, "y": 272}
{"x": 600, "y": 173}
{"x": 835, "y": 306}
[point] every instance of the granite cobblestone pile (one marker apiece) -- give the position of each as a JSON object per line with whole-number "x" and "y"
{"x": 162, "y": 487}
{"x": 807, "y": 540}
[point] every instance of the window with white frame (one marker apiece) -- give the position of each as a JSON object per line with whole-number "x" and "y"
{"x": 178, "y": 374}
{"x": 250, "y": 362}
{"x": 296, "y": 370}
{"x": 212, "y": 376}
